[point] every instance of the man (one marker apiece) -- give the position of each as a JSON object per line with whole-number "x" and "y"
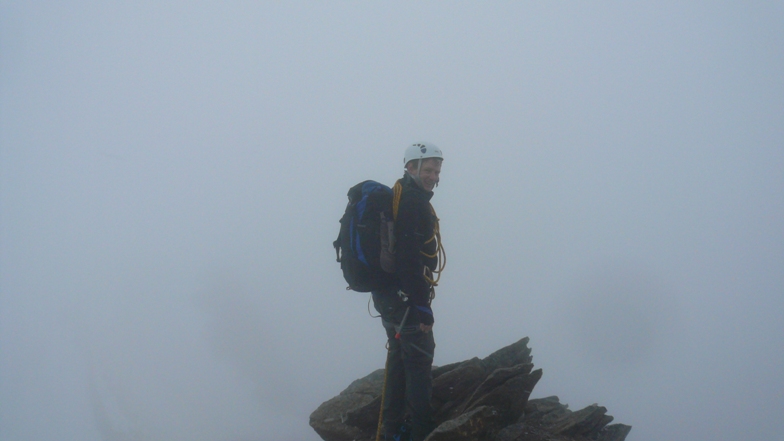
{"x": 405, "y": 308}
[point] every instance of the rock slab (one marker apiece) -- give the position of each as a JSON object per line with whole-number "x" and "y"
{"x": 474, "y": 400}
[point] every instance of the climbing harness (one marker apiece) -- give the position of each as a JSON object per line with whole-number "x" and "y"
{"x": 402, "y": 322}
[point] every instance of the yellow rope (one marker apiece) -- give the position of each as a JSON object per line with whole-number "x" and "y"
{"x": 440, "y": 255}
{"x": 397, "y": 190}
{"x": 383, "y": 394}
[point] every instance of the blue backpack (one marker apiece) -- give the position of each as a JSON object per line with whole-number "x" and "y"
{"x": 365, "y": 246}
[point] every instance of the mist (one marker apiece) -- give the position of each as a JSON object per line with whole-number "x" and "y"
{"x": 172, "y": 175}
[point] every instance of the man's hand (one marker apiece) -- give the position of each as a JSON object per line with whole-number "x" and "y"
{"x": 425, "y": 328}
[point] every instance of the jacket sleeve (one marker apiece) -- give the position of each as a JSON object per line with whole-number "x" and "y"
{"x": 411, "y": 225}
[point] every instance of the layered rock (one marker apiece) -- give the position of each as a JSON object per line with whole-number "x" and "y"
{"x": 474, "y": 400}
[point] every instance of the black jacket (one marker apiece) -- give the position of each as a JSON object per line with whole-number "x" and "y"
{"x": 414, "y": 231}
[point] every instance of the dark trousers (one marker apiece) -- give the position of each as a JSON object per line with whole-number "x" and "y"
{"x": 410, "y": 359}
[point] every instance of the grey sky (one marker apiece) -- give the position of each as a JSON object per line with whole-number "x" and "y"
{"x": 172, "y": 174}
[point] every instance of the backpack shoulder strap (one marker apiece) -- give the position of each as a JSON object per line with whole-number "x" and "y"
{"x": 397, "y": 190}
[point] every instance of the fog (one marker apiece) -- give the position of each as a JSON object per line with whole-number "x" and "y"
{"x": 172, "y": 175}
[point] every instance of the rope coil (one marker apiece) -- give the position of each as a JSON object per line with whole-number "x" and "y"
{"x": 439, "y": 255}
{"x": 431, "y": 276}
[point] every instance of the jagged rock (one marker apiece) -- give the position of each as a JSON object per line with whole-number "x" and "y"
{"x": 499, "y": 377}
{"x": 538, "y": 408}
{"x": 329, "y": 419}
{"x": 438, "y": 371}
{"x": 457, "y": 384}
{"x": 524, "y": 432}
{"x": 470, "y": 426}
{"x": 584, "y": 422}
{"x": 365, "y": 418}
{"x": 554, "y": 417}
{"x": 511, "y": 396}
{"x": 453, "y": 387}
{"x": 512, "y": 355}
{"x": 614, "y": 432}
{"x": 473, "y": 400}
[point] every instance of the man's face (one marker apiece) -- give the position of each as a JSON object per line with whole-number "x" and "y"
{"x": 428, "y": 173}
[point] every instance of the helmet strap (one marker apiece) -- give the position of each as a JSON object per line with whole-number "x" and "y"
{"x": 416, "y": 177}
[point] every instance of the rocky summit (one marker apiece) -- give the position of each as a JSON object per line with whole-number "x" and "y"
{"x": 474, "y": 400}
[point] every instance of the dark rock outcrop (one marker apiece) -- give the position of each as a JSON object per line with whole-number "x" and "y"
{"x": 474, "y": 400}
{"x": 472, "y": 425}
{"x": 332, "y": 416}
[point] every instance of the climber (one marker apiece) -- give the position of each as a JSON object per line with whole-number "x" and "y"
{"x": 405, "y": 308}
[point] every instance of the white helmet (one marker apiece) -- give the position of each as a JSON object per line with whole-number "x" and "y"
{"x": 423, "y": 150}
